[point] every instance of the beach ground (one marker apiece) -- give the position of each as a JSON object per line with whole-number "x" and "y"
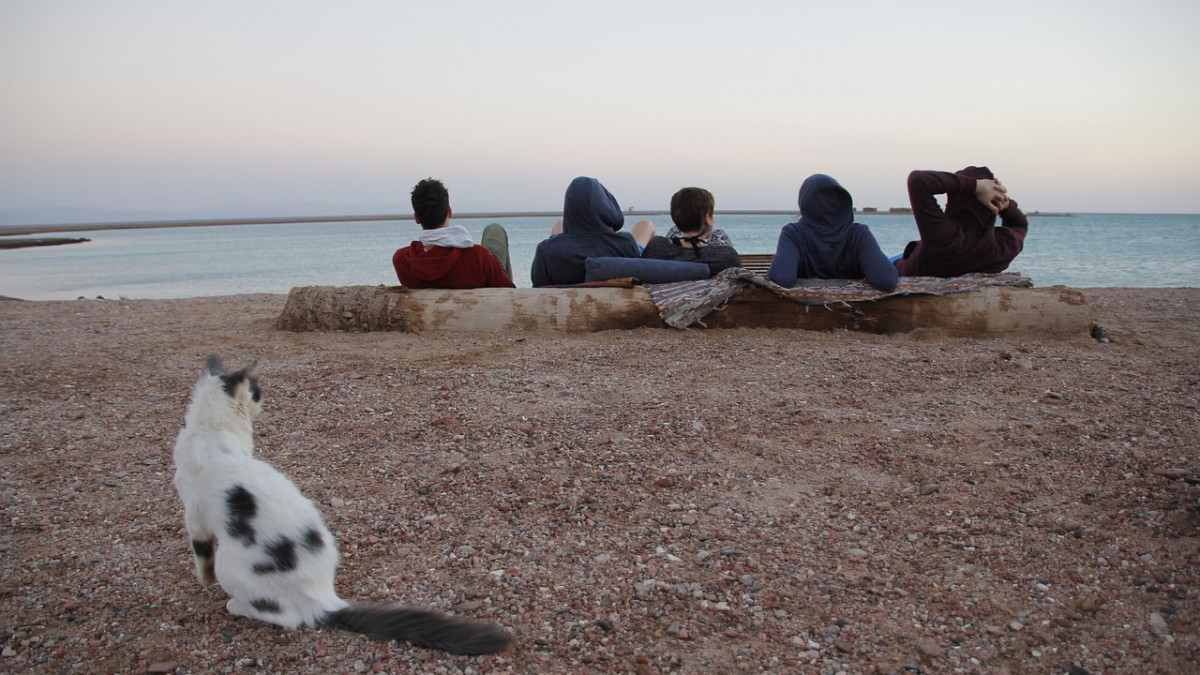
{"x": 649, "y": 501}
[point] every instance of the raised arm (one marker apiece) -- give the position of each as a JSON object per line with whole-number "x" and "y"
{"x": 1010, "y": 236}
{"x": 923, "y": 186}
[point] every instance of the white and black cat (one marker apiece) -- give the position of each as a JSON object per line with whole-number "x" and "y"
{"x": 276, "y": 558}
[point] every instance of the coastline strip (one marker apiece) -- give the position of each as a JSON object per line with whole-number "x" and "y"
{"x": 21, "y": 230}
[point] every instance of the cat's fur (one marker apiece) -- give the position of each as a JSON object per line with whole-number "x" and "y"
{"x": 276, "y": 558}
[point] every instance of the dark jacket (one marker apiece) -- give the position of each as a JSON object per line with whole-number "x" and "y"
{"x": 591, "y": 218}
{"x": 826, "y": 243}
{"x": 717, "y": 257}
{"x": 963, "y": 238}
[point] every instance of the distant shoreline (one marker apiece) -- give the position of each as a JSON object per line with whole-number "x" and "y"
{"x": 21, "y": 230}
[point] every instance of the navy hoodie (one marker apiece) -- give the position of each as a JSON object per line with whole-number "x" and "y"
{"x": 826, "y": 243}
{"x": 591, "y": 218}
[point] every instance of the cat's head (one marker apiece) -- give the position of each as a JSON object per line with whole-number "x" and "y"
{"x": 240, "y": 387}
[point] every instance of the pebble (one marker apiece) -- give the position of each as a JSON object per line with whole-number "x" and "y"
{"x": 1158, "y": 625}
{"x": 1015, "y": 625}
{"x": 929, "y": 489}
{"x": 858, "y": 553}
{"x": 929, "y": 647}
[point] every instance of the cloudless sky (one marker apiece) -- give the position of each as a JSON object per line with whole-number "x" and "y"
{"x": 201, "y": 109}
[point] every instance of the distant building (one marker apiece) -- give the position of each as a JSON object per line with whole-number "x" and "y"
{"x": 900, "y": 209}
{"x": 870, "y": 209}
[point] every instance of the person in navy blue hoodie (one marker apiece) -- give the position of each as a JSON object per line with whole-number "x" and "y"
{"x": 590, "y": 229}
{"x": 826, "y": 243}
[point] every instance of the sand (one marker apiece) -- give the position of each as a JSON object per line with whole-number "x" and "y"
{"x": 627, "y": 501}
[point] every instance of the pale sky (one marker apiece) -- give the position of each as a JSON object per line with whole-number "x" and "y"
{"x": 177, "y": 109}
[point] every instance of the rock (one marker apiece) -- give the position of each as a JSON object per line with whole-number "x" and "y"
{"x": 1158, "y": 625}
{"x": 929, "y": 647}
{"x": 929, "y": 489}
{"x": 163, "y": 667}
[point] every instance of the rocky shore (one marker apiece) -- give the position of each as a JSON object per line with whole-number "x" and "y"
{"x": 649, "y": 501}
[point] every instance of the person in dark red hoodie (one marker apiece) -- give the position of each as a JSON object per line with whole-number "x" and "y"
{"x": 444, "y": 255}
{"x": 963, "y": 238}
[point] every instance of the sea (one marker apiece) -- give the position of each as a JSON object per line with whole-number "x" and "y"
{"x": 1080, "y": 250}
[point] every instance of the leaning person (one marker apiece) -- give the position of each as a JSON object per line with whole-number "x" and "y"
{"x": 963, "y": 238}
{"x": 589, "y": 229}
{"x": 443, "y": 256}
{"x": 692, "y": 213}
{"x": 826, "y": 243}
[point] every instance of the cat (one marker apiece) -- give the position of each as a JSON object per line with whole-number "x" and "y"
{"x": 276, "y": 559}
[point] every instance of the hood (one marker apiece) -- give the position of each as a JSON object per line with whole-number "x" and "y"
{"x": 965, "y": 208}
{"x": 589, "y": 208}
{"x": 825, "y": 206}
{"x": 430, "y": 264}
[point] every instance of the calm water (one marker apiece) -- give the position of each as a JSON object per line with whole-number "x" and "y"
{"x": 1083, "y": 250}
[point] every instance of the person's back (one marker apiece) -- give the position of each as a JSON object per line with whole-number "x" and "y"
{"x": 590, "y": 224}
{"x": 826, "y": 243}
{"x": 444, "y": 256}
{"x": 962, "y": 239}
{"x": 692, "y": 211}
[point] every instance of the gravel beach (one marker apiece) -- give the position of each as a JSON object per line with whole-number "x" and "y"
{"x": 647, "y": 501}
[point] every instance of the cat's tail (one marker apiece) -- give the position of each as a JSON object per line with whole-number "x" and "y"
{"x": 421, "y": 627}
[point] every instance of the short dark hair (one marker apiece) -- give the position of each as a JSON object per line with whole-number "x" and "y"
{"x": 689, "y": 206}
{"x": 430, "y": 203}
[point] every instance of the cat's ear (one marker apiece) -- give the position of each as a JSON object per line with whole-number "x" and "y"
{"x": 213, "y": 366}
{"x": 231, "y": 381}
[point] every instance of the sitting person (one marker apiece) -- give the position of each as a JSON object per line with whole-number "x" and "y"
{"x": 692, "y": 213}
{"x": 588, "y": 229}
{"x": 444, "y": 255}
{"x": 963, "y": 238}
{"x": 826, "y": 243}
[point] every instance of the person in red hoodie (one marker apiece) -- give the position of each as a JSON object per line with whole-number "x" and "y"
{"x": 444, "y": 256}
{"x": 963, "y": 238}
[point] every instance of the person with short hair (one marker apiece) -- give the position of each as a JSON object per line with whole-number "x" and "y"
{"x": 826, "y": 243}
{"x": 964, "y": 238}
{"x": 589, "y": 228}
{"x": 444, "y": 256}
{"x": 692, "y": 211}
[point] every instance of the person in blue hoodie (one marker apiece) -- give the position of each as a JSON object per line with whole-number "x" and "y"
{"x": 590, "y": 229}
{"x": 826, "y": 243}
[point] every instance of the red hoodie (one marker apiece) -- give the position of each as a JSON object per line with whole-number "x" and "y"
{"x": 442, "y": 267}
{"x": 963, "y": 238}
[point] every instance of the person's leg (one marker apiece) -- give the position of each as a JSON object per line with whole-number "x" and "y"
{"x": 495, "y": 239}
{"x": 643, "y": 232}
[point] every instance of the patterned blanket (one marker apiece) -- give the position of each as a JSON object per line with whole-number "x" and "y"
{"x": 684, "y": 303}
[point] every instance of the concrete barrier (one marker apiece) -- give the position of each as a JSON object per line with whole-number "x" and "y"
{"x": 990, "y": 310}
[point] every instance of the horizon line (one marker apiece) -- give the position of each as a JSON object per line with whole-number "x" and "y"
{"x": 16, "y": 230}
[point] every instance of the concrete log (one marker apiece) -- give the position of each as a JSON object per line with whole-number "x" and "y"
{"x": 373, "y": 308}
{"x": 990, "y": 310}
